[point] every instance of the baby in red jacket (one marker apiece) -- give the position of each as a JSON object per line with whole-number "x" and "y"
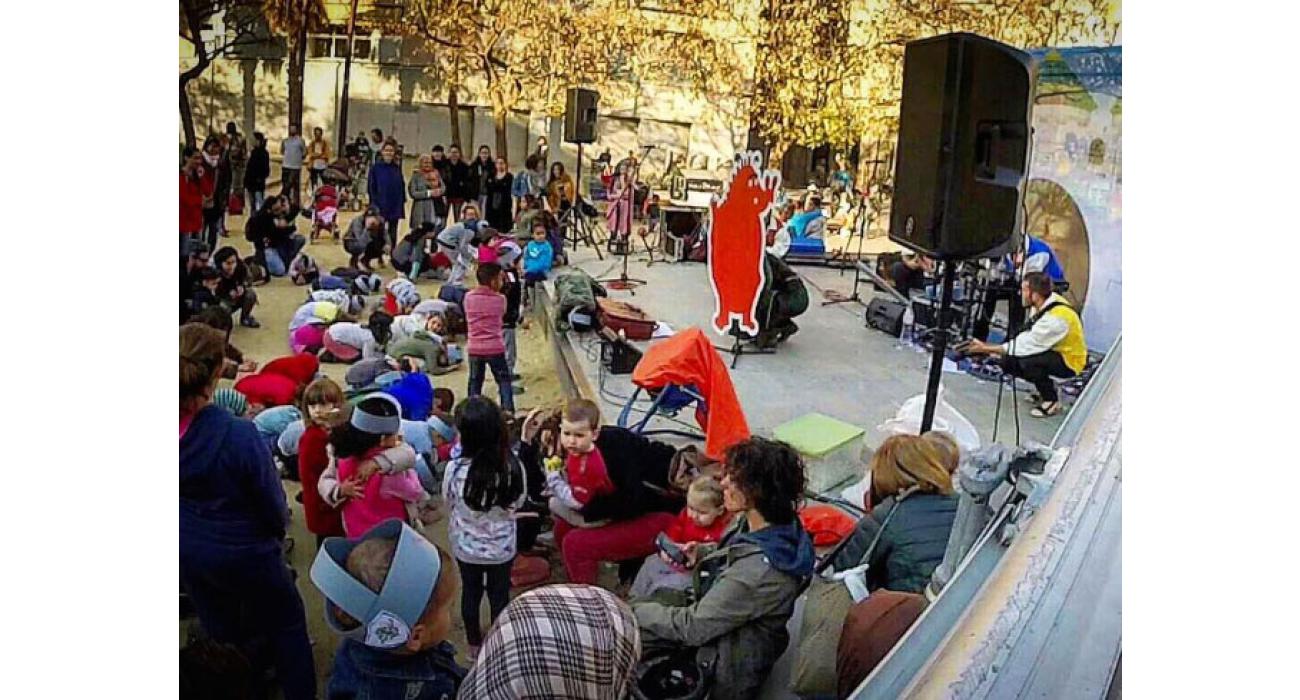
{"x": 702, "y": 520}
{"x": 583, "y": 475}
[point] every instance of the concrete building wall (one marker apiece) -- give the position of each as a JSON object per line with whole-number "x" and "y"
{"x": 410, "y": 104}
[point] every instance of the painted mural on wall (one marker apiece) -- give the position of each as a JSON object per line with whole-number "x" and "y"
{"x": 1073, "y": 197}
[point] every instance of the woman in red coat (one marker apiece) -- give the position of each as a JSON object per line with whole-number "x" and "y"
{"x": 196, "y": 190}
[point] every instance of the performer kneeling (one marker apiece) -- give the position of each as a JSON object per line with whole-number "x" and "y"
{"x": 1053, "y": 346}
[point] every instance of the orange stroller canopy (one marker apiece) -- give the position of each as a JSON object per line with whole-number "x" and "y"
{"x": 689, "y": 359}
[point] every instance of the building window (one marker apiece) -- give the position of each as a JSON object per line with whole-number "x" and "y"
{"x": 336, "y": 46}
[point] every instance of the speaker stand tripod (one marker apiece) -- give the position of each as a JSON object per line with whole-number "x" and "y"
{"x": 574, "y": 227}
{"x": 940, "y": 346}
{"x": 739, "y": 339}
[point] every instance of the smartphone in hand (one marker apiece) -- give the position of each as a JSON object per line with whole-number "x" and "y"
{"x": 671, "y": 549}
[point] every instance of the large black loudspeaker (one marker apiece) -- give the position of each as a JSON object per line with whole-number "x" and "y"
{"x": 580, "y": 115}
{"x": 963, "y": 146}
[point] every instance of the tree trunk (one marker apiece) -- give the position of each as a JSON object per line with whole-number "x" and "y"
{"x": 453, "y": 112}
{"x": 250, "y": 97}
{"x": 187, "y": 116}
{"x": 297, "y": 65}
{"x": 775, "y": 156}
{"x": 347, "y": 77}
{"x": 499, "y": 117}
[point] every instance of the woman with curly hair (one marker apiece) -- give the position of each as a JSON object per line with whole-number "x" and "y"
{"x": 749, "y": 581}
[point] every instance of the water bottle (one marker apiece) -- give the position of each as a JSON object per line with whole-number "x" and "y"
{"x": 908, "y": 319}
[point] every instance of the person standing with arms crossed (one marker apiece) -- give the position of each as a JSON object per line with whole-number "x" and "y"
{"x": 293, "y": 150}
{"x": 318, "y": 152}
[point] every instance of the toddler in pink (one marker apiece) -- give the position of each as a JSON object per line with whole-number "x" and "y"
{"x": 372, "y": 498}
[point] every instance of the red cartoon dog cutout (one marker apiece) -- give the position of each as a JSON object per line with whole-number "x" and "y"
{"x": 736, "y": 242}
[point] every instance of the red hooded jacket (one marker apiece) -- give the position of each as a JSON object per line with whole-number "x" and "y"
{"x": 192, "y": 194}
{"x": 322, "y": 519}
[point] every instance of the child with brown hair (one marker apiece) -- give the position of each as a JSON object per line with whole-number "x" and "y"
{"x": 582, "y": 475}
{"x": 323, "y": 406}
{"x": 396, "y": 622}
{"x": 704, "y": 519}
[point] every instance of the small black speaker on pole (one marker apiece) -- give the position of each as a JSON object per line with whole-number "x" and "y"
{"x": 580, "y": 108}
{"x": 963, "y": 146}
{"x": 963, "y": 151}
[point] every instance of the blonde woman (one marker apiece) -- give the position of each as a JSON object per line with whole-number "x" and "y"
{"x": 912, "y": 507}
{"x": 428, "y": 195}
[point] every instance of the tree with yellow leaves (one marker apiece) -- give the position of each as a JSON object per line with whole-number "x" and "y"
{"x": 525, "y": 53}
{"x": 830, "y": 71}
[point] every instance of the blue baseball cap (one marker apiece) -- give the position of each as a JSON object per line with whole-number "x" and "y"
{"x": 387, "y": 617}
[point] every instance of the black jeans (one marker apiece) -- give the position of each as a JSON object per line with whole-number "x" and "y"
{"x": 500, "y": 373}
{"x": 1015, "y": 311}
{"x": 392, "y": 234}
{"x": 1039, "y": 370}
{"x": 475, "y": 579}
{"x": 291, "y": 184}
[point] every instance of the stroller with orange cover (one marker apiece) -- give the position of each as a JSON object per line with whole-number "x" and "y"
{"x": 682, "y": 371}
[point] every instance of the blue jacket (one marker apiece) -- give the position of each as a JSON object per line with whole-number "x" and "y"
{"x": 799, "y": 222}
{"x": 230, "y": 493}
{"x": 538, "y": 257}
{"x": 363, "y": 672}
{"x": 387, "y": 190}
{"x": 1034, "y": 247}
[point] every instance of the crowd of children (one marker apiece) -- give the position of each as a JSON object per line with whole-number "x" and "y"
{"x": 384, "y": 456}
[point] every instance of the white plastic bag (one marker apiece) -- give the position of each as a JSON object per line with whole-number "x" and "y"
{"x": 946, "y": 420}
{"x": 908, "y": 422}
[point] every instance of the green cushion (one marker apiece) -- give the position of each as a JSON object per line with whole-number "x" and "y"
{"x": 816, "y": 435}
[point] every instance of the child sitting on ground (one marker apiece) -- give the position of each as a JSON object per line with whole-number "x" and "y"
{"x": 323, "y": 407}
{"x": 204, "y": 294}
{"x": 375, "y": 425}
{"x": 582, "y": 475}
{"x": 349, "y": 342}
{"x": 396, "y": 627}
{"x": 483, "y": 488}
{"x": 303, "y": 270}
{"x": 702, "y": 520}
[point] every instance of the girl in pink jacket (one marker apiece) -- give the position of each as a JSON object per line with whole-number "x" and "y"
{"x": 375, "y": 426}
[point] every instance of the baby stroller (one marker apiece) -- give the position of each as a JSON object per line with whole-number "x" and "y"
{"x": 325, "y": 210}
{"x": 682, "y": 371}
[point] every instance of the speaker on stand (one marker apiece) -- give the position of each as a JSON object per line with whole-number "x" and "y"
{"x": 581, "y": 110}
{"x": 962, "y": 156}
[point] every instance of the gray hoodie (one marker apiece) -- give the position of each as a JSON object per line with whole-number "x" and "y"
{"x": 739, "y": 624}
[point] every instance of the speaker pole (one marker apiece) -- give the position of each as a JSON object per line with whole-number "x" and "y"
{"x": 940, "y": 345}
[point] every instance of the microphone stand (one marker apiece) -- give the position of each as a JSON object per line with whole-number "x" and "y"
{"x": 864, "y": 223}
{"x": 623, "y": 281}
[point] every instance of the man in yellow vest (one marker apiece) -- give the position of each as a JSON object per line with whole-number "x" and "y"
{"x": 1053, "y": 345}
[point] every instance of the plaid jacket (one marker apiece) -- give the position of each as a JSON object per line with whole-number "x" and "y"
{"x": 566, "y": 642}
